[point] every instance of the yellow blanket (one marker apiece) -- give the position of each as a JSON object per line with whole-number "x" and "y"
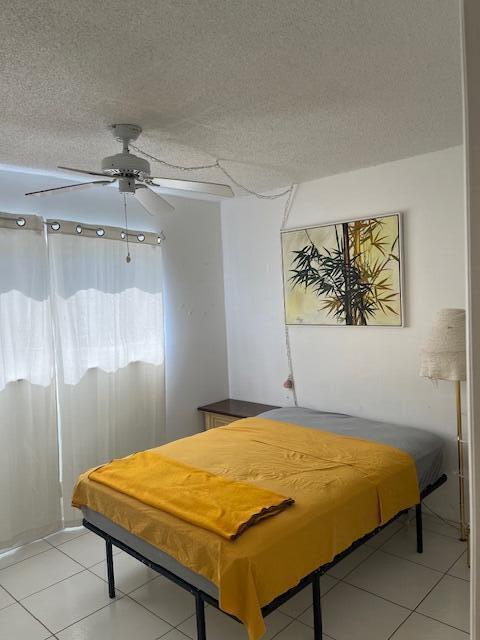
{"x": 221, "y": 505}
{"x": 343, "y": 488}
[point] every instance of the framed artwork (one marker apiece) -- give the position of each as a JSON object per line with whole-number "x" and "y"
{"x": 346, "y": 273}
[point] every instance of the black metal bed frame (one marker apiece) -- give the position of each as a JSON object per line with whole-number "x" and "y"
{"x": 312, "y": 578}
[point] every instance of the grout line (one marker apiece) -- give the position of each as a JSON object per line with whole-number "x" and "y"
{"x": 441, "y": 622}
{"x": 451, "y": 567}
{"x": 151, "y": 612}
{"x": 400, "y": 625}
{"x": 49, "y": 585}
{"x": 402, "y": 606}
{"x": 39, "y": 552}
{"x": 286, "y": 627}
{"x": 393, "y": 555}
{"x": 420, "y": 564}
{"x": 183, "y": 622}
{"x": 79, "y": 563}
{"x": 411, "y": 522}
{"x": 170, "y": 631}
{"x": 370, "y": 555}
{"x": 25, "y": 559}
{"x": 415, "y": 610}
{"x": 80, "y": 534}
{"x": 116, "y": 599}
{"x": 29, "y": 613}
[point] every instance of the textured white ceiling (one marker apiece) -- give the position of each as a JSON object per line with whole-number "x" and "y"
{"x": 287, "y": 90}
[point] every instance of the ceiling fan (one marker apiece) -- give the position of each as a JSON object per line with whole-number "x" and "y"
{"x": 132, "y": 174}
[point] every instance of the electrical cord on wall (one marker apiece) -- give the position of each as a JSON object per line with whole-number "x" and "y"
{"x": 290, "y": 193}
{"x": 291, "y": 377}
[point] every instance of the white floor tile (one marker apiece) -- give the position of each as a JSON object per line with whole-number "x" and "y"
{"x": 129, "y": 573}
{"x": 65, "y": 535}
{"x": 300, "y": 603}
{"x": 121, "y": 620}
{"x": 18, "y": 624}
{"x": 174, "y": 634}
{"x": 297, "y": 631}
{"x": 417, "y": 627}
{"x": 461, "y": 569}
{"x": 221, "y": 627}
{"x": 21, "y": 553}
{"x": 88, "y": 549}
{"x": 449, "y": 603}
{"x": 78, "y": 596}
{"x": 346, "y": 565}
{"x": 377, "y": 541}
{"x": 439, "y": 552}
{"x": 5, "y": 598}
{"x": 395, "y": 579}
{"x": 166, "y": 599}
{"x": 350, "y": 613}
{"x": 36, "y": 573}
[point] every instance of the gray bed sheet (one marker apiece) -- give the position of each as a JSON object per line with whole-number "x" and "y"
{"x": 426, "y": 449}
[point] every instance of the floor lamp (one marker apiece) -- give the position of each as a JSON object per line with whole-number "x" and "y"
{"x": 443, "y": 357}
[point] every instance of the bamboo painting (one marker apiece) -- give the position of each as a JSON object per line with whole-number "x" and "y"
{"x": 344, "y": 274}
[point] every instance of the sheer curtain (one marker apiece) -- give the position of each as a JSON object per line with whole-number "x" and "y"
{"x": 109, "y": 339}
{"x": 29, "y": 484}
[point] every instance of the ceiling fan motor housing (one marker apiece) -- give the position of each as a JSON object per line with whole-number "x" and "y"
{"x": 125, "y": 164}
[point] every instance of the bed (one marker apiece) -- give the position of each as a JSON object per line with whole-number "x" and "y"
{"x": 423, "y": 447}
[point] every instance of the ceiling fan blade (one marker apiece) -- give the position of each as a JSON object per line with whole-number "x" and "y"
{"x": 223, "y": 190}
{"x": 83, "y": 171}
{"x": 151, "y": 201}
{"x": 70, "y": 187}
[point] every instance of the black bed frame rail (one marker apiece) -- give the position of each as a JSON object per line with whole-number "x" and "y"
{"x": 313, "y": 578}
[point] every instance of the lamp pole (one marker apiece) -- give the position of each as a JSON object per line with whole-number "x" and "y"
{"x": 461, "y": 462}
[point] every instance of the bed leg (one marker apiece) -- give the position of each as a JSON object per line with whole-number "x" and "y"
{"x": 317, "y": 607}
{"x": 418, "y": 514}
{"x": 111, "y": 577}
{"x": 200, "y": 613}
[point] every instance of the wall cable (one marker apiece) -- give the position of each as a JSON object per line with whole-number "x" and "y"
{"x": 286, "y": 215}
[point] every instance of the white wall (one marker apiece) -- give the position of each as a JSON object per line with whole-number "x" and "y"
{"x": 365, "y": 371}
{"x": 196, "y": 361}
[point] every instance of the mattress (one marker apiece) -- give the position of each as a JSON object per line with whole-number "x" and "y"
{"x": 424, "y": 447}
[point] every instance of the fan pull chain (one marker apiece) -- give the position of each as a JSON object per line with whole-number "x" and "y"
{"x": 128, "y": 259}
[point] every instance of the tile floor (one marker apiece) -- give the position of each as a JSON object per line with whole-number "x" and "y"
{"x": 56, "y": 588}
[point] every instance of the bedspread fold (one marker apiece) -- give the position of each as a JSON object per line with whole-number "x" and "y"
{"x": 222, "y": 505}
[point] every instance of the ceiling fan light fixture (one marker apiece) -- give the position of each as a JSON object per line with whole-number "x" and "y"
{"x": 126, "y": 184}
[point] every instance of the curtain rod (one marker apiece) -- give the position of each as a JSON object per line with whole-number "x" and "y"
{"x": 77, "y": 228}
{"x": 74, "y": 228}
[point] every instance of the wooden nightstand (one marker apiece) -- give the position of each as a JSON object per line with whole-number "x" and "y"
{"x": 219, "y": 413}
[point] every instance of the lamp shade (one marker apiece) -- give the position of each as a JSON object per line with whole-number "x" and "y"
{"x": 443, "y": 356}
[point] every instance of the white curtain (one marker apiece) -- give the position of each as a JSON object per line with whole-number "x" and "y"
{"x": 110, "y": 351}
{"x": 29, "y": 483}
